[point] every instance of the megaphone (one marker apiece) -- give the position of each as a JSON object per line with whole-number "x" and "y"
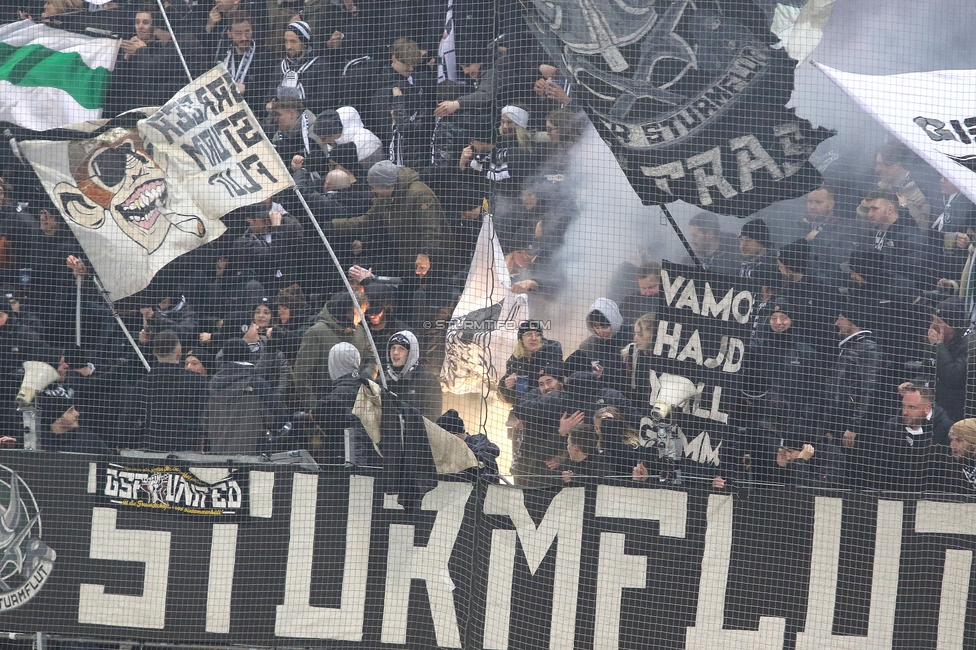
{"x": 675, "y": 391}
{"x": 37, "y": 376}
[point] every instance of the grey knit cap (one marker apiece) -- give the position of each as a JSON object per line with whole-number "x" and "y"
{"x": 382, "y": 175}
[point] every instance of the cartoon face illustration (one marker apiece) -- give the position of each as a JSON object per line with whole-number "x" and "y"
{"x": 121, "y": 180}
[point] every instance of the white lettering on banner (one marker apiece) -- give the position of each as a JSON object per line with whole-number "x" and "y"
{"x": 824, "y": 563}
{"x": 707, "y": 633}
{"x": 739, "y": 307}
{"x": 220, "y": 585}
{"x": 952, "y": 519}
{"x": 563, "y": 521}
{"x": 616, "y": 570}
{"x": 151, "y": 548}
{"x": 405, "y": 561}
{"x": 750, "y": 156}
{"x": 731, "y": 349}
{"x": 295, "y": 617}
{"x": 261, "y": 493}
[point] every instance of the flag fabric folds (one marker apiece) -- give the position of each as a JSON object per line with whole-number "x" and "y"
{"x": 691, "y": 114}
{"x": 50, "y": 77}
{"x": 933, "y": 113}
{"x": 483, "y": 329}
{"x": 138, "y": 198}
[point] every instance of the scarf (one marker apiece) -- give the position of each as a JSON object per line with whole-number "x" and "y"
{"x": 239, "y": 72}
{"x": 291, "y": 74}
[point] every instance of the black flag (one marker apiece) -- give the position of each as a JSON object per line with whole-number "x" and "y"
{"x": 689, "y": 95}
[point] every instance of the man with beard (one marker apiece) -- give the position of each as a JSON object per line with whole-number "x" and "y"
{"x": 539, "y": 449}
{"x": 908, "y": 253}
{"x": 249, "y": 64}
{"x": 902, "y": 455}
{"x": 305, "y": 75}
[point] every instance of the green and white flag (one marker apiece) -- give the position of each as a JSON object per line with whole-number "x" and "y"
{"x": 50, "y": 77}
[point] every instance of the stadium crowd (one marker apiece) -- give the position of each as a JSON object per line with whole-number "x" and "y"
{"x": 403, "y": 122}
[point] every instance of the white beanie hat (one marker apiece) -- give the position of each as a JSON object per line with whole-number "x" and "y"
{"x": 517, "y": 114}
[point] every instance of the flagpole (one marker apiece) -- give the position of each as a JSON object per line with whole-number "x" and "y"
{"x": 345, "y": 281}
{"x": 78, "y": 281}
{"x": 179, "y": 51}
{"x": 318, "y": 229}
{"x": 681, "y": 235}
{"x": 118, "y": 319}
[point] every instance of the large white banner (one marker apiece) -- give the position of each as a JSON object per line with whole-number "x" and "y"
{"x": 138, "y": 199}
{"x": 933, "y": 113}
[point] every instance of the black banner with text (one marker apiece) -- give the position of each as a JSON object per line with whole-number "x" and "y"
{"x": 325, "y": 559}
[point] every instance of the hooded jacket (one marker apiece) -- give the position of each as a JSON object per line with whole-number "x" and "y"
{"x": 311, "y": 366}
{"x": 605, "y": 352}
{"x": 357, "y": 148}
{"x": 409, "y": 222}
{"x": 344, "y": 360}
{"x": 413, "y": 383}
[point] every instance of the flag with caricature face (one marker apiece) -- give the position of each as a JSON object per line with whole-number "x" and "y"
{"x": 138, "y": 198}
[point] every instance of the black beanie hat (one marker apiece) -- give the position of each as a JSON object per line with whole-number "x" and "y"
{"x": 399, "y": 339}
{"x": 451, "y": 422}
{"x": 554, "y": 369}
{"x": 327, "y": 123}
{"x": 758, "y": 230}
{"x": 530, "y": 326}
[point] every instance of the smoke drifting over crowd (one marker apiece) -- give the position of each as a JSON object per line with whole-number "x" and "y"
{"x": 614, "y": 232}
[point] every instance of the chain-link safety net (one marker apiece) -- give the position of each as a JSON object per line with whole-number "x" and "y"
{"x": 499, "y": 324}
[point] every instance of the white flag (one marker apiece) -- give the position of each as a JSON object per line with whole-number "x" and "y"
{"x": 207, "y": 139}
{"x": 483, "y": 330}
{"x": 933, "y": 113}
{"x": 138, "y": 199}
{"x": 51, "y": 77}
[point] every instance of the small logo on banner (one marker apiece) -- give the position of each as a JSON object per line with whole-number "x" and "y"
{"x": 175, "y": 489}
{"x": 26, "y": 561}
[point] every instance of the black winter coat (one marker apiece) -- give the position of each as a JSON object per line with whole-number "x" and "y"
{"x": 527, "y": 370}
{"x": 853, "y": 391}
